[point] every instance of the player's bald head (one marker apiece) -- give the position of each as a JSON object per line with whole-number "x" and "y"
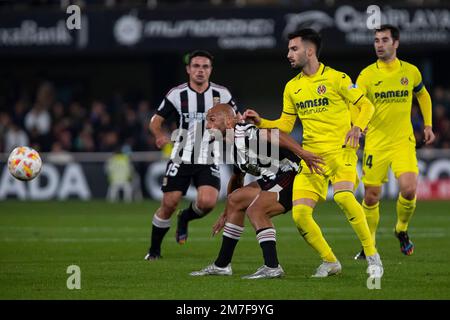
{"x": 223, "y": 109}
{"x": 221, "y": 117}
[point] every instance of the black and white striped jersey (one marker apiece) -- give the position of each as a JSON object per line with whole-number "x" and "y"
{"x": 191, "y": 108}
{"x": 260, "y": 158}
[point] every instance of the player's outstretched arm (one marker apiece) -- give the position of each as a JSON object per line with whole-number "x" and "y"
{"x": 312, "y": 160}
{"x": 285, "y": 123}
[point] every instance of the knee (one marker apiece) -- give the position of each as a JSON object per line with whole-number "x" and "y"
{"x": 301, "y": 213}
{"x": 342, "y": 197}
{"x": 206, "y": 203}
{"x": 371, "y": 197}
{"x": 233, "y": 200}
{"x": 408, "y": 192}
{"x": 168, "y": 207}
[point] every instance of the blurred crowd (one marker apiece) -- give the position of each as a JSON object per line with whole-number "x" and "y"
{"x": 47, "y": 124}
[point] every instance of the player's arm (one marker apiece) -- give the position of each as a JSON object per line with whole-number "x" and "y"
{"x": 286, "y": 121}
{"x": 366, "y": 110}
{"x": 424, "y": 99}
{"x": 284, "y": 140}
{"x": 155, "y": 126}
{"x": 236, "y": 182}
{"x": 164, "y": 111}
{"x": 356, "y": 96}
{"x": 364, "y": 114}
{"x": 228, "y": 99}
{"x": 363, "y": 84}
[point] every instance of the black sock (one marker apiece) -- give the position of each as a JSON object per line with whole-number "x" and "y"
{"x": 157, "y": 237}
{"x": 267, "y": 241}
{"x": 226, "y": 252}
{"x": 189, "y": 214}
{"x": 269, "y": 249}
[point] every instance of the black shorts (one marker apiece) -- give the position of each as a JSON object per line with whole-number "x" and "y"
{"x": 179, "y": 175}
{"x": 282, "y": 184}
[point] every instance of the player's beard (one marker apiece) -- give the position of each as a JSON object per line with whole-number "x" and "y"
{"x": 300, "y": 63}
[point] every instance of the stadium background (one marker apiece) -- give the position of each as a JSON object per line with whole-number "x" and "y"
{"x": 95, "y": 90}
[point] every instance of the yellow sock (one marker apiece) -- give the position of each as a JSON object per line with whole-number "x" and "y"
{"x": 355, "y": 215}
{"x": 373, "y": 217}
{"x": 310, "y": 231}
{"x": 405, "y": 210}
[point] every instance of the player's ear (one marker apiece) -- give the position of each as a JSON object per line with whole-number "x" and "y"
{"x": 396, "y": 44}
{"x": 310, "y": 51}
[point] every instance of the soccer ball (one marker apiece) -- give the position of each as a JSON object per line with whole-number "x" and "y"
{"x": 24, "y": 163}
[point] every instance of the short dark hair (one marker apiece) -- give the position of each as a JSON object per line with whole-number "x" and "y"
{"x": 198, "y": 53}
{"x": 395, "y": 32}
{"x": 309, "y": 35}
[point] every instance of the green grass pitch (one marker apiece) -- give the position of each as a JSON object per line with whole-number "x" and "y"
{"x": 39, "y": 240}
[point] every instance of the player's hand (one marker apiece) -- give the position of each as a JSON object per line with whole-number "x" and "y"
{"x": 313, "y": 161}
{"x": 161, "y": 141}
{"x": 252, "y": 115}
{"x": 352, "y": 137}
{"x": 239, "y": 117}
{"x": 364, "y": 132}
{"x": 220, "y": 223}
{"x": 428, "y": 135}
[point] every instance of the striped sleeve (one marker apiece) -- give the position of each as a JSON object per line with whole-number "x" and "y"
{"x": 166, "y": 109}
{"x": 228, "y": 98}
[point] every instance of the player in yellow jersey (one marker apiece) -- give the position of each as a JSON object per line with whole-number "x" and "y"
{"x": 320, "y": 96}
{"x": 390, "y": 84}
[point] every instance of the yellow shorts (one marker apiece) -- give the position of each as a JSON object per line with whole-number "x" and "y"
{"x": 339, "y": 166}
{"x": 376, "y": 163}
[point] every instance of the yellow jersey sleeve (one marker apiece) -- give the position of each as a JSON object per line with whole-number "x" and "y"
{"x": 362, "y": 82}
{"x": 418, "y": 84}
{"x": 423, "y": 97}
{"x": 348, "y": 90}
{"x": 288, "y": 104}
{"x": 285, "y": 123}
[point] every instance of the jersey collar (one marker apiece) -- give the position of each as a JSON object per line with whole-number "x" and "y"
{"x": 207, "y": 88}
{"x": 389, "y": 67}
{"x": 319, "y": 71}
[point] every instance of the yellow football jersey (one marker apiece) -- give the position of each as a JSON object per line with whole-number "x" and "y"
{"x": 321, "y": 101}
{"x": 390, "y": 88}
